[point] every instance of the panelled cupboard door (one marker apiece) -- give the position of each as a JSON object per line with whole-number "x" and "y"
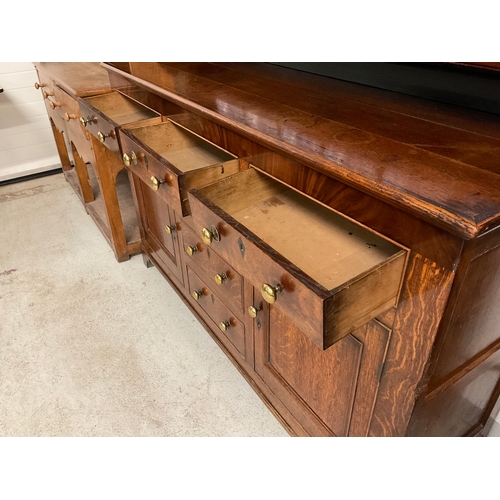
{"x": 331, "y": 392}
{"x": 160, "y": 229}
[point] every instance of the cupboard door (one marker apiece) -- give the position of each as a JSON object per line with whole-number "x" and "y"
{"x": 330, "y": 392}
{"x": 160, "y": 230}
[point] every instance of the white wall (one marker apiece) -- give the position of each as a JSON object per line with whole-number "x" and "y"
{"x": 27, "y": 144}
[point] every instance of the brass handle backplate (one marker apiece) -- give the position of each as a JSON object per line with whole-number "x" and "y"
{"x": 270, "y": 293}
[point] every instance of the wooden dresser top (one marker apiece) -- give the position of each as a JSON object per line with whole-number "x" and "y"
{"x": 79, "y": 79}
{"x": 438, "y": 161}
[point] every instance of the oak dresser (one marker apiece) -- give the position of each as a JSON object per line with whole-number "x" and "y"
{"x": 339, "y": 242}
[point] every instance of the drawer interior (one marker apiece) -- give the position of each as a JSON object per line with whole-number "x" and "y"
{"x": 180, "y": 147}
{"x": 120, "y": 109}
{"x": 325, "y": 245}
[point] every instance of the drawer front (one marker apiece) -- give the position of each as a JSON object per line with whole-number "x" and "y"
{"x": 255, "y": 263}
{"x": 179, "y": 159}
{"x": 48, "y": 89}
{"x": 364, "y": 270}
{"x": 221, "y": 276}
{"x": 69, "y": 111}
{"x": 44, "y": 83}
{"x": 108, "y": 112}
{"x": 52, "y": 111}
{"x": 68, "y": 107}
{"x": 158, "y": 177}
{"x": 224, "y": 322}
{"x": 100, "y": 127}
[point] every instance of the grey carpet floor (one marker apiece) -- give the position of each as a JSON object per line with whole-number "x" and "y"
{"x": 92, "y": 347}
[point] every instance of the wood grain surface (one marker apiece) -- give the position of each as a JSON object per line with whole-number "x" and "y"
{"x": 422, "y": 174}
{"x": 422, "y": 301}
{"x": 79, "y": 79}
{"x": 454, "y": 190}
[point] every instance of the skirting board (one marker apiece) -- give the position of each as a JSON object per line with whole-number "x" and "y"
{"x": 29, "y": 168}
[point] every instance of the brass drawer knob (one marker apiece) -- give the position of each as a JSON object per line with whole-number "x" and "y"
{"x": 47, "y": 94}
{"x": 224, "y": 325}
{"x": 69, "y": 117}
{"x": 197, "y": 294}
{"x": 209, "y": 234}
{"x": 102, "y": 137}
{"x": 252, "y": 311}
{"x": 191, "y": 250}
{"x": 155, "y": 183}
{"x": 54, "y": 105}
{"x": 220, "y": 278}
{"x": 127, "y": 159}
{"x": 132, "y": 159}
{"x": 169, "y": 229}
{"x": 40, "y": 85}
{"x": 270, "y": 293}
{"x": 89, "y": 119}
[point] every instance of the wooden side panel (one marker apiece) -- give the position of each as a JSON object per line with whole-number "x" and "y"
{"x": 106, "y": 167}
{"x": 61, "y": 147}
{"x": 463, "y": 408}
{"x": 423, "y": 297}
{"x": 472, "y": 323}
{"x": 463, "y": 373}
{"x": 83, "y": 187}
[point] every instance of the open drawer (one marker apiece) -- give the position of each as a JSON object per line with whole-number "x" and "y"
{"x": 171, "y": 159}
{"x": 102, "y": 116}
{"x": 329, "y": 274}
